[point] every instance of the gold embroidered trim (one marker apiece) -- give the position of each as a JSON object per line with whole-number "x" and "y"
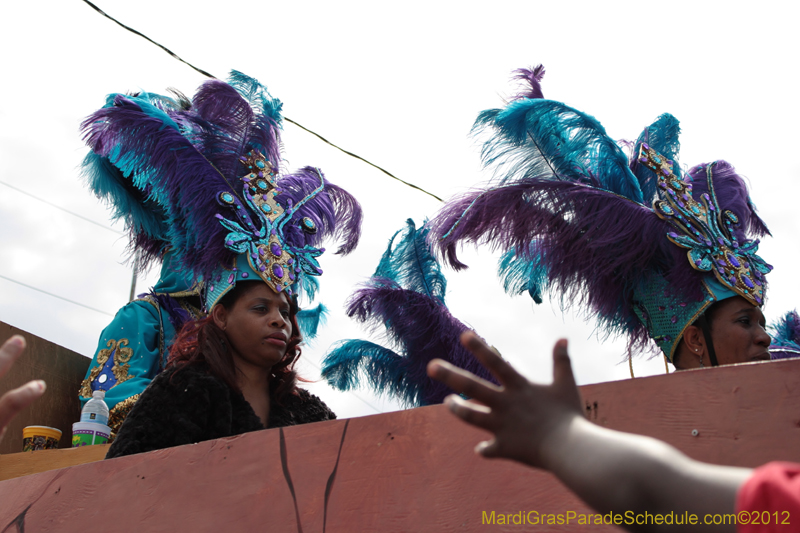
{"x": 120, "y": 369}
{"x": 182, "y": 298}
{"x": 149, "y": 299}
{"x": 118, "y": 414}
{"x": 193, "y": 311}
{"x": 196, "y": 290}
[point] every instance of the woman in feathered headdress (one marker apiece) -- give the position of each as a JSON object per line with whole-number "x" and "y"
{"x": 209, "y": 168}
{"x": 651, "y": 253}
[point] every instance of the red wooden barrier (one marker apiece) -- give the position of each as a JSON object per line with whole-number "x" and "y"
{"x": 406, "y": 471}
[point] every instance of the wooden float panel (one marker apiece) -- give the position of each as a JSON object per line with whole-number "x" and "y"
{"x": 63, "y": 371}
{"x": 405, "y": 471}
{"x": 26, "y": 463}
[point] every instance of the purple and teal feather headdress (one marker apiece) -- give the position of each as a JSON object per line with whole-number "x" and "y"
{"x": 574, "y": 217}
{"x": 203, "y": 177}
{"x": 405, "y": 300}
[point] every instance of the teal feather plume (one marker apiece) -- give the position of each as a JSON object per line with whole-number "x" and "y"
{"x": 785, "y": 333}
{"x": 127, "y": 203}
{"x": 408, "y": 261}
{"x": 255, "y": 93}
{"x": 310, "y": 320}
{"x": 548, "y": 139}
{"x": 352, "y": 362}
{"x": 520, "y": 275}
{"x": 404, "y": 302}
{"x": 309, "y": 286}
{"x": 785, "y": 328}
{"x": 663, "y": 137}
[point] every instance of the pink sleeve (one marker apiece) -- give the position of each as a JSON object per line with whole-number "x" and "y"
{"x": 771, "y": 499}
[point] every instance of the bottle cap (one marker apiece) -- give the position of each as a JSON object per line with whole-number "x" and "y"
{"x": 98, "y": 395}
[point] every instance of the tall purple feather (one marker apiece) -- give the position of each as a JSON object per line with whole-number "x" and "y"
{"x": 244, "y": 117}
{"x": 181, "y": 156}
{"x": 530, "y": 82}
{"x": 154, "y": 152}
{"x": 731, "y": 192}
{"x": 335, "y": 212}
{"x": 593, "y": 264}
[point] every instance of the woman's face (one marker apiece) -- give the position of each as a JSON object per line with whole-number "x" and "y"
{"x": 258, "y": 327}
{"x": 737, "y": 330}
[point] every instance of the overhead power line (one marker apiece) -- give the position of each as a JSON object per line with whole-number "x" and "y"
{"x": 55, "y": 295}
{"x": 143, "y": 36}
{"x": 60, "y": 208}
{"x": 31, "y": 287}
{"x": 287, "y": 119}
{"x": 312, "y": 363}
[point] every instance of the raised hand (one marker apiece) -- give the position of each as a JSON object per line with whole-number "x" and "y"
{"x": 525, "y": 419}
{"x": 14, "y": 401}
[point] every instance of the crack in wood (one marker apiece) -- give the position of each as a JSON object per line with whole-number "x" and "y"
{"x": 328, "y": 486}
{"x": 288, "y": 476}
{"x": 19, "y": 521}
{"x": 332, "y": 477}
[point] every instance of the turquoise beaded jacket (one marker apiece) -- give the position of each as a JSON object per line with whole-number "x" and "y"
{"x": 133, "y": 348}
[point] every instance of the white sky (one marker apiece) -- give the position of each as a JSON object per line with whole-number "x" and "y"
{"x": 400, "y": 85}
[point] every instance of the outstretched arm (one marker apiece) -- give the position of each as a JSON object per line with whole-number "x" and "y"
{"x": 14, "y": 401}
{"x": 543, "y": 426}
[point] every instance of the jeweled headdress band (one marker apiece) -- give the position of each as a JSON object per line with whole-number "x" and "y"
{"x": 269, "y": 253}
{"x": 706, "y": 230}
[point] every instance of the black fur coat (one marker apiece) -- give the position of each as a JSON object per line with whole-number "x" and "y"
{"x": 196, "y": 406}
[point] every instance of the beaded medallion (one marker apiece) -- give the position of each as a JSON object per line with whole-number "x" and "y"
{"x": 276, "y": 262}
{"x": 706, "y": 230}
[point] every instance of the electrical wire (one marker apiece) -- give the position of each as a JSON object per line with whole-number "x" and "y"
{"x": 51, "y": 204}
{"x": 287, "y": 119}
{"x": 143, "y": 36}
{"x": 55, "y": 295}
{"x": 312, "y": 363}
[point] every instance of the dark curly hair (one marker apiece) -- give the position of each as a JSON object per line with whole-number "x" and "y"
{"x": 203, "y": 342}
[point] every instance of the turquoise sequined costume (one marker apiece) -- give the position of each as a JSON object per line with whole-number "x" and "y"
{"x": 132, "y": 349}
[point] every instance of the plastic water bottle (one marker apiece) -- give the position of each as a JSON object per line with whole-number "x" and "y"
{"x": 96, "y": 409}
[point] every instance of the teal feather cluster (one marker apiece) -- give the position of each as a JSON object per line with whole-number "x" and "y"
{"x": 663, "y": 136}
{"x": 404, "y": 299}
{"x": 519, "y": 275}
{"x": 785, "y": 334}
{"x": 408, "y": 261}
{"x": 550, "y": 140}
{"x": 310, "y": 320}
